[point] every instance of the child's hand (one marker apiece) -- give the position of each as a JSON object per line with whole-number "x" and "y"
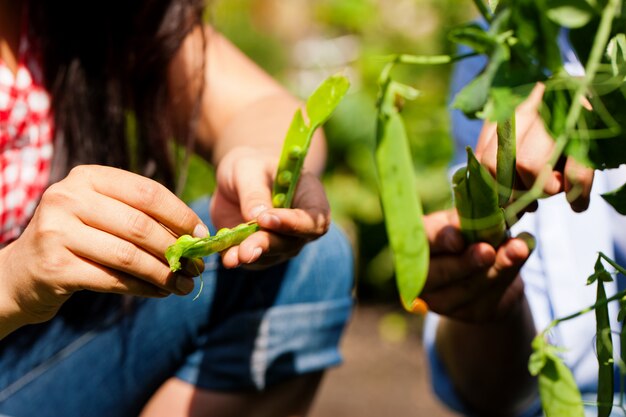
{"x": 534, "y": 148}
{"x": 100, "y": 229}
{"x": 476, "y": 283}
{"x": 244, "y": 193}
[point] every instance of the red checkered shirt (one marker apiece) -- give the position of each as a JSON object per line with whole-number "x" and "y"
{"x": 25, "y": 140}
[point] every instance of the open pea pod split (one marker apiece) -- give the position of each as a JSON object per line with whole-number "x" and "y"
{"x": 319, "y": 107}
{"x": 398, "y": 192}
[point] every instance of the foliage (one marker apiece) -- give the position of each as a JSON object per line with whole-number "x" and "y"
{"x": 522, "y": 46}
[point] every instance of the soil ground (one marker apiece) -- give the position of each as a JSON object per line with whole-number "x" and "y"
{"x": 384, "y": 371}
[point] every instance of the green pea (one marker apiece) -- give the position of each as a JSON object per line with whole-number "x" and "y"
{"x": 222, "y": 231}
{"x": 295, "y": 153}
{"x": 284, "y": 178}
{"x": 279, "y": 200}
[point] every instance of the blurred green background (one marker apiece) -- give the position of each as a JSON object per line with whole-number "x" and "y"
{"x": 300, "y": 43}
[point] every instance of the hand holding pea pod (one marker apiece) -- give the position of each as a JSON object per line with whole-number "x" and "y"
{"x": 245, "y": 193}
{"x": 99, "y": 229}
{"x": 534, "y": 147}
{"x": 472, "y": 283}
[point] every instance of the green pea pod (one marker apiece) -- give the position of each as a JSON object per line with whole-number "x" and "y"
{"x": 400, "y": 201}
{"x": 559, "y": 393}
{"x": 319, "y": 107}
{"x": 604, "y": 342}
{"x": 193, "y": 247}
{"x": 505, "y": 158}
{"x": 476, "y": 200}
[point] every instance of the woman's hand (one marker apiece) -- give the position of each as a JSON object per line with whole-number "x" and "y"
{"x": 472, "y": 284}
{"x": 244, "y": 193}
{"x": 534, "y": 149}
{"x": 100, "y": 229}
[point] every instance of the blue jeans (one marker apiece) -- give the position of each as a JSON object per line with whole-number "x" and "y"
{"x": 105, "y": 355}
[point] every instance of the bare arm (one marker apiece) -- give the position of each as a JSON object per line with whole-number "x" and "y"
{"x": 244, "y": 115}
{"x": 485, "y": 331}
{"x": 241, "y": 104}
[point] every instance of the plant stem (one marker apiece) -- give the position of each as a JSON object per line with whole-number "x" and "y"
{"x": 614, "y": 264}
{"x": 600, "y": 303}
{"x": 593, "y": 63}
{"x": 484, "y": 10}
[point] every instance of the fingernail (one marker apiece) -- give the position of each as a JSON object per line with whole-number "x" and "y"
{"x": 256, "y": 253}
{"x": 257, "y": 210}
{"x": 184, "y": 285}
{"x": 529, "y": 240}
{"x": 269, "y": 221}
{"x": 478, "y": 259}
{"x": 200, "y": 231}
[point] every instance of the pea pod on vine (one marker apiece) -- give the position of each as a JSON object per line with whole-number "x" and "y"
{"x": 604, "y": 342}
{"x": 401, "y": 203}
{"x": 319, "y": 108}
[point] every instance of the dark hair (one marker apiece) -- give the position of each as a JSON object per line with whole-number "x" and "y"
{"x": 103, "y": 62}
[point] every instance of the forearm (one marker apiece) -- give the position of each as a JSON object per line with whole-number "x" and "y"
{"x": 11, "y": 315}
{"x": 263, "y": 125}
{"x": 488, "y": 362}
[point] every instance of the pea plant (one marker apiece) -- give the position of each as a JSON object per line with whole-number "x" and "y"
{"x": 584, "y": 115}
{"x": 319, "y": 107}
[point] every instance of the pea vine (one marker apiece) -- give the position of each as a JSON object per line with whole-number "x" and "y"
{"x": 522, "y": 45}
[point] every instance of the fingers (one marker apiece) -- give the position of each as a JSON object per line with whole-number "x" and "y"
{"x": 141, "y": 193}
{"x": 442, "y": 230}
{"x": 534, "y": 150}
{"x": 127, "y": 223}
{"x": 121, "y": 255}
{"x": 263, "y": 249}
{"x": 91, "y": 276}
{"x": 578, "y": 181}
{"x": 254, "y": 192}
{"x": 475, "y": 282}
{"x": 446, "y": 270}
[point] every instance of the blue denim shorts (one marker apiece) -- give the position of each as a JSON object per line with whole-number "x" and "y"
{"x": 105, "y": 355}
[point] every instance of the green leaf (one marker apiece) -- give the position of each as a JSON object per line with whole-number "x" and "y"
{"x": 474, "y": 36}
{"x": 400, "y": 200}
{"x": 559, "y": 393}
{"x": 617, "y": 199}
{"x": 570, "y": 13}
{"x": 536, "y": 362}
{"x": 503, "y": 101}
{"x": 471, "y": 99}
{"x": 617, "y": 53}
